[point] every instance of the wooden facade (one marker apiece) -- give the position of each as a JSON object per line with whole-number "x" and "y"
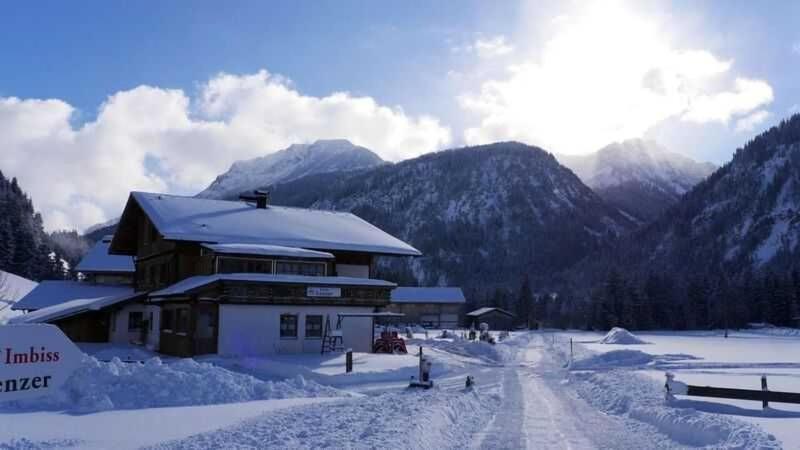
{"x": 496, "y": 318}
{"x": 90, "y": 327}
{"x": 189, "y": 321}
{"x": 429, "y": 315}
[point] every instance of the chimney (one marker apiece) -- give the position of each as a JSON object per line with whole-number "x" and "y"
{"x": 261, "y": 198}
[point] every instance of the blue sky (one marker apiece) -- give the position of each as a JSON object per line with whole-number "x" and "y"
{"x": 164, "y": 95}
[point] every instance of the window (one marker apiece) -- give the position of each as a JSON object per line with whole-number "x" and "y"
{"x": 300, "y": 268}
{"x": 167, "y": 319}
{"x": 135, "y": 320}
{"x": 182, "y": 320}
{"x": 244, "y": 265}
{"x": 313, "y": 327}
{"x": 288, "y": 326}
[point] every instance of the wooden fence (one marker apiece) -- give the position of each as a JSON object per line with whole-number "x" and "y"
{"x": 764, "y": 395}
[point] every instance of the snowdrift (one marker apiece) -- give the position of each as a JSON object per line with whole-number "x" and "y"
{"x": 621, "y": 336}
{"x": 613, "y": 359}
{"x": 623, "y": 393}
{"x": 101, "y": 386}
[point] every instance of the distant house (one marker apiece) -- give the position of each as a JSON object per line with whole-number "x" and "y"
{"x": 496, "y": 318}
{"x": 232, "y": 277}
{"x": 99, "y": 267}
{"x": 101, "y": 308}
{"x": 435, "y": 307}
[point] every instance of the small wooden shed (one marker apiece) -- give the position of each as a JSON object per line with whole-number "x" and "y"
{"x": 497, "y": 318}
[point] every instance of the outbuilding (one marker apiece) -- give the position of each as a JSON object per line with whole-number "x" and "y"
{"x": 434, "y": 307}
{"x": 496, "y": 318}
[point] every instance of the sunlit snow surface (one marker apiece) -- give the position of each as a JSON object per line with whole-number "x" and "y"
{"x": 707, "y": 358}
{"x": 526, "y": 396}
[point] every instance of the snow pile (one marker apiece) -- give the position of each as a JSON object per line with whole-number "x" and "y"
{"x": 613, "y": 359}
{"x": 494, "y": 354}
{"x": 772, "y": 330}
{"x": 100, "y": 386}
{"x": 621, "y": 336}
{"x": 106, "y": 352}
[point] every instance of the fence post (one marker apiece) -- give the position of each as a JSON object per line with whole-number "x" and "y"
{"x": 764, "y": 401}
{"x": 571, "y": 357}
{"x": 348, "y": 361}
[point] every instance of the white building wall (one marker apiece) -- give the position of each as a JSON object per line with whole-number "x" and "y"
{"x": 251, "y": 330}
{"x": 153, "y": 314}
{"x": 119, "y": 333}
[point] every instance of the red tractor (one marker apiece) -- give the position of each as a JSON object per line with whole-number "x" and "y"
{"x": 389, "y": 342}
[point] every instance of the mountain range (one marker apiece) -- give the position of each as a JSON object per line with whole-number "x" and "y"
{"x": 484, "y": 216}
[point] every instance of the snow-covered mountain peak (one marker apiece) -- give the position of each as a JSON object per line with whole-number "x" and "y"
{"x": 639, "y": 176}
{"x": 296, "y": 161}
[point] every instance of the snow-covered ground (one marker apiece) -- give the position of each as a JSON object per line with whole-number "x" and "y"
{"x": 525, "y": 396}
{"x": 707, "y": 359}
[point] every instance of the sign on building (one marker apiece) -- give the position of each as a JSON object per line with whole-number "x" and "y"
{"x": 317, "y": 291}
{"x": 35, "y": 360}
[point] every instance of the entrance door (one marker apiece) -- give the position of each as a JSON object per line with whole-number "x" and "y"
{"x": 206, "y": 328}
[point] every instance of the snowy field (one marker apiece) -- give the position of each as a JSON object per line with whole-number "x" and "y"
{"x": 525, "y": 396}
{"x": 710, "y": 359}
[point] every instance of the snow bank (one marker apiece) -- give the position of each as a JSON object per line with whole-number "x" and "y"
{"x": 436, "y": 418}
{"x": 100, "y": 386}
{"x": 621, "y": 336}
{"x": 613, "y": 359}
{"x": 631, "y": 395}
{"x": 628, "y": 394}
{"x": 488, "y": 353}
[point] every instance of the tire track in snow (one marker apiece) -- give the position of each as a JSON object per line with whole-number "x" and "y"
{"x": 505, "y": 429}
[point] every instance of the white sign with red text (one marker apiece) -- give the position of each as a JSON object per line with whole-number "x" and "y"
{"x": 35, "y": 360}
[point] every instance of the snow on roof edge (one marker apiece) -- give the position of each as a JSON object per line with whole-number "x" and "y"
{"x": 73, "y": 307}
{"x": 198, "y": 281}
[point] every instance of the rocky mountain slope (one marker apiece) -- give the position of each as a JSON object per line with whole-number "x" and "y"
{"x": 640, "y": 177}
{"x": 483, "y": 216}
{"x": 294, "y": 162}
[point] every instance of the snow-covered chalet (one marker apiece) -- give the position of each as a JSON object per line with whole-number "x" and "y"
{"x": 233, "y": 278}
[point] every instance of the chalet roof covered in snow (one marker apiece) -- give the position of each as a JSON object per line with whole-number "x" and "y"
{"x": 191, "y": 283}
{"x": 235, "y": 222}
{"x": 481, "y": 311}
{"x": 267, "y": 250}
{"x": 73, "y": 308}
{"x": 427, "y": 295}
{"x": 14, "y": 287}
{"x": 49, "y": 293}
{"x": 98, "y": 260}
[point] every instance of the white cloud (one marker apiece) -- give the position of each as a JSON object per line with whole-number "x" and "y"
{"x": 486, "y": 47}
{"x": 491, "y": 47}
{"x": 607, "y": 75}
{"x": 156, "y": 139}
{"x": 749, "y": 122}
